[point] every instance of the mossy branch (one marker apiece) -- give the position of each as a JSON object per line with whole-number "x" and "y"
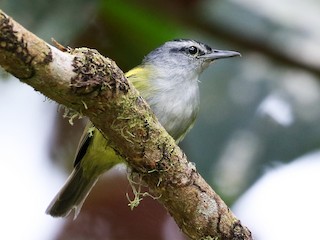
{"x": 93, "y": 85}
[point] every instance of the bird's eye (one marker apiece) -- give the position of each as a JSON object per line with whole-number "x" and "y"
{"x": 193, "y": 50}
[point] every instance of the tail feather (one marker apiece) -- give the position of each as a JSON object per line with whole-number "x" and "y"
{"x": 72, "y": 195}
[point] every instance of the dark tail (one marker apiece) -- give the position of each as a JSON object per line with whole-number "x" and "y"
{"x": 72, "y": 195}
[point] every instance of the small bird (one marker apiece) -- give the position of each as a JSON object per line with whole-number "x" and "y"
{"x": 168, "y": 80}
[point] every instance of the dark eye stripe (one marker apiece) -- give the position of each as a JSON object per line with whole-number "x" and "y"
{"x": 186, "y": 50}
{"x": 201, "y": 52}
{"x": 176, "y": 50}
{"x": 209, "y": 49}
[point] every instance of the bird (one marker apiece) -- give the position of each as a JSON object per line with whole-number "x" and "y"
{"x": 168, "y": 79}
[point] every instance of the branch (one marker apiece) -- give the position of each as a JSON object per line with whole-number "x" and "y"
{"x": 83, "y": 80}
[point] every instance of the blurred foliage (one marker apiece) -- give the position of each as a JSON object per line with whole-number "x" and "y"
{"x": 238, "y": 135}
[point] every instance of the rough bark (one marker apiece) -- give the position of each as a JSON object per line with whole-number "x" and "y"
{"x": 93, "y": 85}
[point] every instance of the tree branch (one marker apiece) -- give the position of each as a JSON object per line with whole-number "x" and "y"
{"x": 94, "y": 86}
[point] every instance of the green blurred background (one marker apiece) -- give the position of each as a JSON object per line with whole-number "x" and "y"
{"x": 256, "y": 111}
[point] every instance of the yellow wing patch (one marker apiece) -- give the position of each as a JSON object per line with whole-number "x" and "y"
{"x": 139, "y": 77}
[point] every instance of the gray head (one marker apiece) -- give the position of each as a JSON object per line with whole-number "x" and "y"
{"x": 190, "y": 55}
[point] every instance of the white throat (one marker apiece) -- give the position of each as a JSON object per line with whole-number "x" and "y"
{"x": 175, "y": 101}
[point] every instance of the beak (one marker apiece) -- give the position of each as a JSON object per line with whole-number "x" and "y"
{"x": 218, "y": 54}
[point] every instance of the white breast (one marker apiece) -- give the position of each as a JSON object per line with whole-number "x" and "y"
{"x": 176, "y": 104}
